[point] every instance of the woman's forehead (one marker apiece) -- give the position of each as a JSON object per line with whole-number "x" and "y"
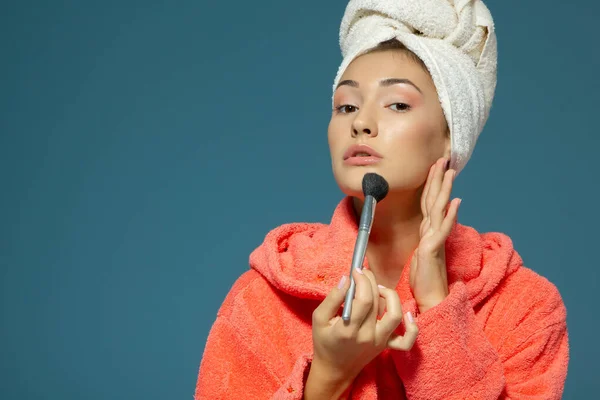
{"x": 375, "y": 66}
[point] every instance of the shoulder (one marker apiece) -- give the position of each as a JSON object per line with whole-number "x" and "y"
{"x": 263, "y": 316}
{"x": 528, "y": 300}
{"x": 519, "y": 282}
{"x": 522, "y": 295}
{"x": 535, "y": 289}
{"x": 253, "y": 296}
{"x": 249, "y": 287}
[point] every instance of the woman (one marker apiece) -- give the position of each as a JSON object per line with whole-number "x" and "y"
{"x": 441, "y": 311}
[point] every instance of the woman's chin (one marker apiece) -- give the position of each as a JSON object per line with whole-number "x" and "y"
{"x": 351, "y": 188}
{"x": 350, "y": 180}
{"x": 357, "y": 194}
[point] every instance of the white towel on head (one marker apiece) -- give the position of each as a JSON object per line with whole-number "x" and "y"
{"x": 456, "y": 41}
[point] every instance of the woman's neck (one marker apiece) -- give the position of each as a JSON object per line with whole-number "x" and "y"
{"x": 394, "y": 236}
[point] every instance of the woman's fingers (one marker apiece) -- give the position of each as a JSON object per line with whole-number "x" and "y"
{"x": 450, "y": 217}
{"x": 393, "y": 315}
{"x": 436, "y": 183}
{"x": 330, "y": 306}
{"x": 365, "y": 308}
{"x": 424, "y": 209}
{"x": 391, "y": 320}
{"x": 362, "y": 303}
{"x": 407, "y": 341}
{"x": 441, "y": 202}
{"x": 371, "y": 317}
{"x": 382, "y": 309}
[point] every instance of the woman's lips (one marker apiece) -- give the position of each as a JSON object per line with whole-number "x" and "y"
{"x": 361, "y": 154}
{"x": 362, "y": 160}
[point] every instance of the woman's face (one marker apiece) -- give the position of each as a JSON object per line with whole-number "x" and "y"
{"x": 387, "y": 102}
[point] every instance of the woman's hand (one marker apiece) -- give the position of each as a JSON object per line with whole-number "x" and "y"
{"x": 428, "y": 278}
{"x": 342, "y": 349}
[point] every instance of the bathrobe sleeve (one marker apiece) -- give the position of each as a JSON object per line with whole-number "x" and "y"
{"x": 520, "y": 351}
{"x": 248, "y": 353}
{"x": 230, "y": 370}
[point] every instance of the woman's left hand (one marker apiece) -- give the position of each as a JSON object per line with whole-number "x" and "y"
{"x": 428, "y": 278}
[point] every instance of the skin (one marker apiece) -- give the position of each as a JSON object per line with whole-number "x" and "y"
{"x": 406, "y": 125}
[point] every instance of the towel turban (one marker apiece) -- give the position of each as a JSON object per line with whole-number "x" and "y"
{"x": 456, "y": 41}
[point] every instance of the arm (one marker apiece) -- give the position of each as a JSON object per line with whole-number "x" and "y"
{"x": 322, "y": 385}
{"x": 454, "y": 359}
{"x": 538, "y": 367}
{"x": 248, "y": 352}
{"x": 230, "y": 370}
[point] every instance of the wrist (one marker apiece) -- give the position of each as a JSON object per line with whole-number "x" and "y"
{"x": 325, "y": 382}
{"x": 328, "y": 372}
{"x": 428, "y": 304}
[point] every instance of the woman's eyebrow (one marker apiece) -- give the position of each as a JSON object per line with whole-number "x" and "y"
{"x": 383, "y": 82}
{"x": 393, "y": 81}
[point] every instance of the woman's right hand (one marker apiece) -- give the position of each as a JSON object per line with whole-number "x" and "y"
{"x": 342, "y": 349}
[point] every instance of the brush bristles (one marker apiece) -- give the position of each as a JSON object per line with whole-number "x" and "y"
{"x": 375, "y": 185}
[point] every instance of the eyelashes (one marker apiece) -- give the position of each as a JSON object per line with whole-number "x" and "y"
{"x": 405, "y": 107}
{"x": 347, "y": 108}
{"x": 340, "y": 109}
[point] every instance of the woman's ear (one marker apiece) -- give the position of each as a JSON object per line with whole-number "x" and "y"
{"x": 448, "y": 144}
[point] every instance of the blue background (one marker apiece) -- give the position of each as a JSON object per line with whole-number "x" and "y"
{"x": 139, "y": 140}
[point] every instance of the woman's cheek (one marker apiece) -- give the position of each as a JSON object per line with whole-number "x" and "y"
{"x": 404, "y": 134}
{"x": 334, "y": 137}
{"x": 422, "y": 134}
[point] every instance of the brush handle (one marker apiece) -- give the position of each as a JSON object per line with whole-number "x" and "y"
{"x": 360, "y": 249}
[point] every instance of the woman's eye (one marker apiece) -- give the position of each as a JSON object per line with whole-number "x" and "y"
{"x": 345, "y": 109}
{"x": 401, "y": 107}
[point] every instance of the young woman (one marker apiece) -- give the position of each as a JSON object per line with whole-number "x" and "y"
{"x": 440, "y": 311}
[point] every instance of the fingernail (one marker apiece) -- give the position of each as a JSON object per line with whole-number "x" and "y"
{"x": 358, "y": 270}
{"x": 459, "y": 201}
{"x": 410, "y": 317}
{"x": 381, "y": 286}
{"x": 342, "y": 282}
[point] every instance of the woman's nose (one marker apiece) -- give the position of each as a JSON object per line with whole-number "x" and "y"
{"x": 364, "y": 125}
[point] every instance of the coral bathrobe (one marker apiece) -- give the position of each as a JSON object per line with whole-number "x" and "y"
{"x": 500, "y": 334}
